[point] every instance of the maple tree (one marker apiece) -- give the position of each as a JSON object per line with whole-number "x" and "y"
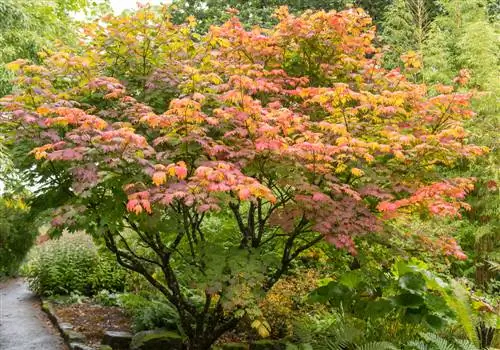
{"x": 230, "y": 154}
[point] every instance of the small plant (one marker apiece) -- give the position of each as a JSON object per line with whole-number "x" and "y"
{"x": 105, "y": 298}
{"x": 149, "y": 313}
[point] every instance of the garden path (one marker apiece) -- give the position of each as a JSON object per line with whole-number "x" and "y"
{"x": 23, "y": 326}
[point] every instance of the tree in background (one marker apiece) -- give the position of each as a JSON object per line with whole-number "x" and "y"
{"x": 29, "y": 26}
{"x": 405, "y": 27}
{"x": 469, "y": 48}
{"x": 16, "y": 233}
{"x": 461, "y": 44}
{"x": 463, "y": 38}
{"x": 259, "y": 12}
{"x": 209, "y": 164}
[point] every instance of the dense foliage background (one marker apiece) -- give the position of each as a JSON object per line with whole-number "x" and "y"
{"x": 313, "y": 176}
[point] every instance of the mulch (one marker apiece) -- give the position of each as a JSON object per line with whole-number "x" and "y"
{"x": 93, "y": 320}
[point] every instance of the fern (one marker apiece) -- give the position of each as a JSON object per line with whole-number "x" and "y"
{"x": 460, "y": 304}
{"x": 342, "y": 345}
{"x": 438, "y": 342}
{"x": 419, "y": 345}
{"x": 465, "y": 344}
{"x": 377, "y": 346}
{"x": 435, "y": 342}
{"x": 336, "y": 344}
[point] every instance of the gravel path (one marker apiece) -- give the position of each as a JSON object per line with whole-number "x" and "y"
{"x": 23, "y": 326}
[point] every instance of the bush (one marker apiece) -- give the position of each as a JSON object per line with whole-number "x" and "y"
{"x": 148, "y": 313}
{"x": 107, "y": 274}
{"x": 71, "y": 264}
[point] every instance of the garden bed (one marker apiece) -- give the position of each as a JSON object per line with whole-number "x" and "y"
{"x": 93, "y": 320}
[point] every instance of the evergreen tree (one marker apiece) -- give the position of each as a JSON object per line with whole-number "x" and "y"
{"x": 405, "y": 26}
{"x": 260, "y": 12}
{"x": 463, "y": 37}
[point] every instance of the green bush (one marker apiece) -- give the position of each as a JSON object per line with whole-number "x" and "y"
{"x": 107, "y": 274}
{"x": 71, "y": 264}
{"x": 148, "y": 313}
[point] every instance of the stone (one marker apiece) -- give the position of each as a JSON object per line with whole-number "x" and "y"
{"x": 234, "y": 346}
{"x": 65, "y": 326}
{"x": 78, "y": 346}
{"x": 156, "y": 340}
{"x": 74, "y": 337}
{"x": 268, "y": 345}
{"x": 117, "y": 340}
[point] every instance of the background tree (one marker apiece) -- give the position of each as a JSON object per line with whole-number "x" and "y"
{"x": 15, "y": 239}
{"x": 28, "y": 26}
{"x": 209, "y": 164}
{"x": 405, "y": 27}
{"x": 461, "y": 45}
{"x": 258, "y": 12}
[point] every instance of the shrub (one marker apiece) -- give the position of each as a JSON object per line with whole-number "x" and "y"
{"x": 107, "y": 275}
{"x": 148, "y": 313}
{"x": 71, "y": 264}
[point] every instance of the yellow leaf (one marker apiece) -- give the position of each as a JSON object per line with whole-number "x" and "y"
{"x": 357, "y": 172}
{"x": 262, "y": 327}
{"x": 43, "y": 110}
{"x": 15, "y": 65}
{"x": 342, "y": 141}
{"x": 159, "y": 178}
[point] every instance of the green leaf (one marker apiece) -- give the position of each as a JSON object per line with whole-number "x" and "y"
{"x": 412, "y": 282}
{"x": 352, "y": 279}
{"x": 409, "y": 300}
{"x": 379, "y": 307}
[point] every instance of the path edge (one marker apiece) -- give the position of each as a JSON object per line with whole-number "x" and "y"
{"x": 74, "y": 340}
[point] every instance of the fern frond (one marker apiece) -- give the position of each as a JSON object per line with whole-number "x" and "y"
{"x": 382, "y": 345}
{"x": 465, "y": 344}
{"x": 336, "y": 345}
{"x": 440, "y": 343}
{"x": 419, "y": 345}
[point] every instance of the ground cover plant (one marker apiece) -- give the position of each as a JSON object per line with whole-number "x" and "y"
{"x": 209, "y": 164}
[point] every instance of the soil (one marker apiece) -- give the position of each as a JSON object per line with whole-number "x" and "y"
{"x": 93, "y": 320}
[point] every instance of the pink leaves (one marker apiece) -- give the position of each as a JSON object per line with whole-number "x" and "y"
{"x": 450, "y": 247}
{"x": 110, "y": 87}
{"x": 244, "y": 194}
{"x": 342, "y": 242}
{"x": 202, "y": 190}
{"x": 225, "y": 177}
{"x": 320, "y": 197}
{"x": 336, "y": 215}
{"x": 138, "y": 202}
{"x": 441, "y": 199}
{"x": 71, "y": 116}
{"x": 161, "y": 172}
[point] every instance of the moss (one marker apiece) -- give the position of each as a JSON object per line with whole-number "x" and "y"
{"x": 157, "y": 339}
